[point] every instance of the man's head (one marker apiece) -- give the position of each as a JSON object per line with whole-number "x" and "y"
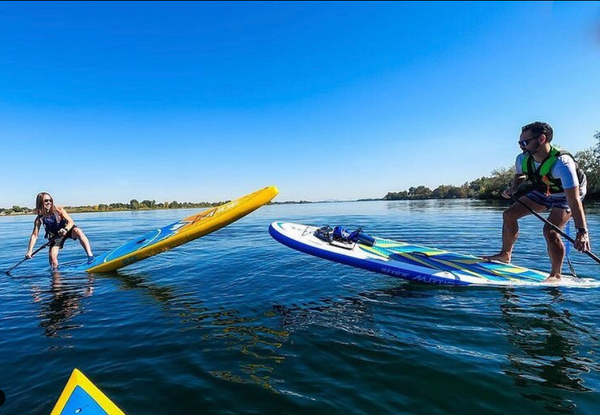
{"x": 538, "y": 128}
{"x": 534, "y": 135}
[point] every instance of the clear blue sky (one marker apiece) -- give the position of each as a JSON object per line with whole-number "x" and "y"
{"x": 105, "y": 102}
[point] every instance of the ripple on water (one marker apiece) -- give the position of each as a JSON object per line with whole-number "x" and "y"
{"x": 237, "y": 323}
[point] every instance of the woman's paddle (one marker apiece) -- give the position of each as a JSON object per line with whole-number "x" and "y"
{"x": 32, "y": 255}
{"x": 556, "y": 228}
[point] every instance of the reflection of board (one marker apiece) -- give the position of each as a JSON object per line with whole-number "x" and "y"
{"x": 81, "y": 396}
{"x": 407, "y": 261}
{"x": 178, "y": 233}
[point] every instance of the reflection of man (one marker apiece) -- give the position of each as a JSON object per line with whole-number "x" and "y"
{"x": 559, "y": 186}
{"x": 546, "y": 355}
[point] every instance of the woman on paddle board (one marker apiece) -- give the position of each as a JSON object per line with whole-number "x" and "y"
{"x": 58, "y": 224}
{"x": 558, "y": 185}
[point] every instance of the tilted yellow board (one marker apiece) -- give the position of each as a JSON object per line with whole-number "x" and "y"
{"x": 178, "y": 233}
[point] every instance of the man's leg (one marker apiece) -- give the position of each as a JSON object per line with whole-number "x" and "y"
{"x": 556, "y": 248}
{"x": 510, "y": 227}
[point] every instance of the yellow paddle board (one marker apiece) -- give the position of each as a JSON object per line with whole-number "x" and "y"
{"x": 81, "y": 396}
{"x": 180, "y": 232}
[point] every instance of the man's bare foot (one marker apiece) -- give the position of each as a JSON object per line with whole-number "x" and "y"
{"x": 553, "y": 278}
{"x": 501, "y": 257}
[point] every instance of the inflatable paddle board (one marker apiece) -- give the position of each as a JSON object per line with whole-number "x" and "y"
{"x": 178, "y": 233}
{"x": 81, "y": 396}
{"x": 403, "y": 260}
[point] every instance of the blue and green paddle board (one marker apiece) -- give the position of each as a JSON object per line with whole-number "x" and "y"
{"x": 411, "y": 262}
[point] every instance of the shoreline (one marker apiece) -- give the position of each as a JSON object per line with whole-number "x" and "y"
{"x": 593, "y": 202}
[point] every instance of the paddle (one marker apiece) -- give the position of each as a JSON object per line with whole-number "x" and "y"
{"x": 33, "y": 254}
{"x": 556, "y": 228}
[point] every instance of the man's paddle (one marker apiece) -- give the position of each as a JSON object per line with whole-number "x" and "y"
{"x": 33, "y": 254}
{"x": 556, "y": 228}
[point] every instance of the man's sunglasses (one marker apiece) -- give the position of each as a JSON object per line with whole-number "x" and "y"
{"x": 525, "y": 143}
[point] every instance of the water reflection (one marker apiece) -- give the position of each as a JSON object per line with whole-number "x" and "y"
{"x": 431, "y": 205}
{"x": 228, "y": 336}
{"x": 346, "y": 313}
{"x": 355, "y": 313}
{"x": 545, "y": 360}
{"x": 61, "y": 303}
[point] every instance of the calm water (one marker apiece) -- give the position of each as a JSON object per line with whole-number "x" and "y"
{"x": 235, "y": 323}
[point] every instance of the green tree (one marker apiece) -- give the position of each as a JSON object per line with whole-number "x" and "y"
{"x": 492, "y": 187}
{"x": 589, "y": 161}
{"x": 149, "y": 203}
{"x": 134, "y": 204}
{"x": 420, "y": 192}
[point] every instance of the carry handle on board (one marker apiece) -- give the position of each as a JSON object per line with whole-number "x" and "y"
{"x": 553, "y": 226}
{"x": 339, "y": 234}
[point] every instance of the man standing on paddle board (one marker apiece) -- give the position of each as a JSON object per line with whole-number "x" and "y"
{"x": 58, "y": 224}
{"x": 558, "y": 185}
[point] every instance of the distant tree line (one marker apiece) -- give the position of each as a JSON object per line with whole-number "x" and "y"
{"x": 134, "y": 204}
{"x": 483, "y": 188}
{"x": 493, "y": 186}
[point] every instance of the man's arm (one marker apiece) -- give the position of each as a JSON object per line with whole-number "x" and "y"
{"x": 582, "y": 240}
{"x": 518, "y": 180}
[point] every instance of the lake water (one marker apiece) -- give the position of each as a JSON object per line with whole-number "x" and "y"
{"x": 236, "y": 323}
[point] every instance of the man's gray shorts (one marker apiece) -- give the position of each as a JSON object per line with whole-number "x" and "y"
{"x": 551, "y": 201}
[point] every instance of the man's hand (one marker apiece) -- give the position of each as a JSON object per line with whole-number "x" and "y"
{"x": 28, "y": 255}
{"x": 62, "y": 232}
{"x": 582, "y": 242}
{"x": 507, "y": 193}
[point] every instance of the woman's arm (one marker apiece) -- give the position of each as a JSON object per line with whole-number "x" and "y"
{"x": 34, "y": 235}
{"x": 70, "y": 222}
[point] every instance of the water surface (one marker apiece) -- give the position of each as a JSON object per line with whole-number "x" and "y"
{"x": 236, "y": 323}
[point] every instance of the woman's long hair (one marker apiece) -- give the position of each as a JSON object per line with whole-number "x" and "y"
{"x": 39, "y": 204}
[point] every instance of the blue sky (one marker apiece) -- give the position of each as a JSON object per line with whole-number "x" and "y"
{"x": 105, "y": 102}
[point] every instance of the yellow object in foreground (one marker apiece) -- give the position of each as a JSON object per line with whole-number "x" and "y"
{"x": 178, "y": 233}
{"x": 81, "y": 396}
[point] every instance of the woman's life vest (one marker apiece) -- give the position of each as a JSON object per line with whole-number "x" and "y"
{"x": 52, "y": 225}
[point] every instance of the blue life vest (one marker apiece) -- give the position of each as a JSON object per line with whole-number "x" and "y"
{"x": 52, "y": 225}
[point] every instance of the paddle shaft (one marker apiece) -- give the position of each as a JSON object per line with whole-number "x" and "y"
{"x": 553, "y": 226}
{"x": 32, "y": 255}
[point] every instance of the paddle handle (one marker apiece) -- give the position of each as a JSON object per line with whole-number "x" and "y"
{"x": 553, "y": 226}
